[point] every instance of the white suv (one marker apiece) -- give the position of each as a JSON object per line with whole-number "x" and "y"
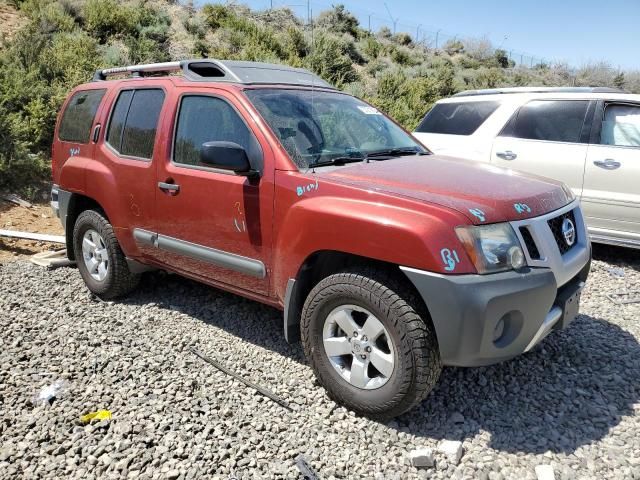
{"x": 588, "y": 138}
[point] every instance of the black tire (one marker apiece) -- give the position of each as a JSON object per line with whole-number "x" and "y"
{"x": 119, "y": 280}
{"x": 418, "y": 363}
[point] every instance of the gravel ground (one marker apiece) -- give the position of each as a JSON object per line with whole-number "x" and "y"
{"x": 573, "y": 403}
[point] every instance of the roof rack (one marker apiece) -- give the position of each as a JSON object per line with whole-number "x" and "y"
{"x": 495, "y": 91}
{"x": 231, "y": 71}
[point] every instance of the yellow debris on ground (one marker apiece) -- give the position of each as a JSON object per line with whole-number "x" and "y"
{"x": 99, "y": 415}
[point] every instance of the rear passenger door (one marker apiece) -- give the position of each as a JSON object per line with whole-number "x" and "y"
{"x": 128, "y": 151}
{"x": 611, "y": 195}
{"x": 547, "y": 138}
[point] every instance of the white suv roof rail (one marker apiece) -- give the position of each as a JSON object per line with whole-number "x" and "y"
{"x": 496, "y": 91}
{"x": 231, "y": 71}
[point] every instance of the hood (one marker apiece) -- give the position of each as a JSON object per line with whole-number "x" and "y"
{"x": 481, "y": 191}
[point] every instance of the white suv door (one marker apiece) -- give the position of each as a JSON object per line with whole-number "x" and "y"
{"x": 547, "y": 138}
{"x": 611, "y": 193}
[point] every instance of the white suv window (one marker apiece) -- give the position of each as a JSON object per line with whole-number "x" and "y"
{"x": 621, "y": 126}
{"x": 549, "y": 120}
{"x": 460, "y": 118}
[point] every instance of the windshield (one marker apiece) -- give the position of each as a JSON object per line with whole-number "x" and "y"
{"x": 320, "y": 127}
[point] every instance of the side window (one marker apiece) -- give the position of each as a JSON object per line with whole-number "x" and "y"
{"x": 118, "y": 117}
{"x": 77, "y": 118}
{"x": 132, "y": 129}
{"x": 549, "y": 120}
{"x": 621, "y": 126}
{"x": 460, "y": 118}
{"x": 208, "y": 119}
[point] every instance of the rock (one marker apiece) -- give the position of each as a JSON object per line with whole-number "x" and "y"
{"x": 457, "y": 417}
{"x": 173, "y": 474}
{"x": 174, "y": 413}
{"x": 545, "y": 472}
{"x": 421, "y": 457}
{"x": 452, "y": 449}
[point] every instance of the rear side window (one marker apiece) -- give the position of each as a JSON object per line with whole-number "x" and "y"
{"x": 77, "y": 118}
{"x": 621, "y": 126}
{"x": 132, "y": 129}
{"x": 549, "y": 120}
{"x": 208, "y": 119}
{"x": 462, "y": 118}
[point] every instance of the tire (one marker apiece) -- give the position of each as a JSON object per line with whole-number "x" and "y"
{"x": 117, "y": 280}
{"x": 408, "y": 339}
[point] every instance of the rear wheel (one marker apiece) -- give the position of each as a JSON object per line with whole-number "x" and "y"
{"x": 367, "y": 343}
{"x": 101, "y": 263}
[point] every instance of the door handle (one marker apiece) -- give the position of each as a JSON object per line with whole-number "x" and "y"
{"x": 507, "y": 155}
{"x": 96, "y": 133}
{"x": 169, "y": 187}
{"x": 607, "y": 164}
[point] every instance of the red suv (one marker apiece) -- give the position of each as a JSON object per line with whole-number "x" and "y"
{"x": 265, "y": 181}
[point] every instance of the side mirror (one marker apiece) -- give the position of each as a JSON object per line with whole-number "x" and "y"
{"x": 226, "y": 156}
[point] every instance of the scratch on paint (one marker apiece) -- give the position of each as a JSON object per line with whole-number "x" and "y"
{"x": 238, "y": 221}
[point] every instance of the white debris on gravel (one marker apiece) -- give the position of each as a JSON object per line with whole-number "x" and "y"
{"x": 452, "y": 449}
{"x": 545, "y": 472}
{"x": 421, "y": 457}
{"x": 572, "y": 402}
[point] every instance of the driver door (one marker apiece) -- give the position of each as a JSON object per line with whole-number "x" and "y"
{"x": 214, "y": 224}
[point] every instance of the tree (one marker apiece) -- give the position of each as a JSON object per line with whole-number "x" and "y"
{"x": 619, "y": 80}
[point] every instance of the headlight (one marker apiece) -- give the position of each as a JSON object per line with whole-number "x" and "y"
{"x": 492, "y": 248}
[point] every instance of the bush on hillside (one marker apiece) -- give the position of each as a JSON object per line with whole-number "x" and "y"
{"x": 62, "y": 42}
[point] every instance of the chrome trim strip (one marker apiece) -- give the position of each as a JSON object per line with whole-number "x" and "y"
{"x": 550, "y": 320}
{"x": 237, "y": 263}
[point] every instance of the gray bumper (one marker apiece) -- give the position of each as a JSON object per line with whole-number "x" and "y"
{"x": 465, "y": 310}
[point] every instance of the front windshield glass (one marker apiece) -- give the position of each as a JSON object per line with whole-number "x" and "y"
{"x": 321, "y": 127}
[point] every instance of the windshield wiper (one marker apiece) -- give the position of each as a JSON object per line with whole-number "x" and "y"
{"x": 337, "y": 161}
{"x": 394, "y": 152}
{"x": 389, "y": 152}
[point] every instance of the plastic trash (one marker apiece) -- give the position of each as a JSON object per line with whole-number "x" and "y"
{"x": 50, "y": 393}
{"x": 99, "y": 415}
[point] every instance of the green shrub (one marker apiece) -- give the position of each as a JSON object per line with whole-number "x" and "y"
{"x": 329, "y": 61}
{"x": 62, "y": 42}
{"x": 371, "y": 47}
{"x": 338, "y": 20}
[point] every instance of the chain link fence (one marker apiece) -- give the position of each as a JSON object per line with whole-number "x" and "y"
{"x": 428, "y": 36}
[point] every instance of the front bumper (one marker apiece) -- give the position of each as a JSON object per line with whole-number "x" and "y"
{"x": 466, "y": 309}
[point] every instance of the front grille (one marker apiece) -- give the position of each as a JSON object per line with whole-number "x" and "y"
{"x": 532, "y": 248}
{"x": 555, "y": 224}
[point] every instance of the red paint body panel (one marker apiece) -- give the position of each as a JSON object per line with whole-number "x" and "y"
{"x": 458, "y": 184}
{"x": 401, "y": 211}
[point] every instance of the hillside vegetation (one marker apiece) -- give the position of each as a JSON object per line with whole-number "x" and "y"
{"x": 53, "y": 45}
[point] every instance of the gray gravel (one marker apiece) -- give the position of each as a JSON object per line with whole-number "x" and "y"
{"x": 573, "y": 403}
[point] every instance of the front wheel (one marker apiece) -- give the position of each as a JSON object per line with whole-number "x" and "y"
{"x": 367, "y": 343}
{"x": 102, "y": 264}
